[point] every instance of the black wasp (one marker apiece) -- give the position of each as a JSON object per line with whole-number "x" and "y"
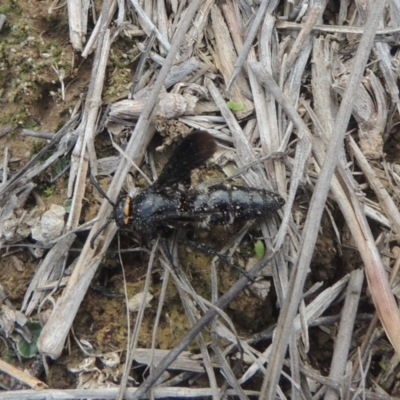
{"x": 165, "y": 204}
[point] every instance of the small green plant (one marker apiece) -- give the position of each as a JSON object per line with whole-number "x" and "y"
{"x": 259, "y": 249}
{"x": 29, "y": 349}
{"x": 48, "y": 190}
{"x": 235, "y": 106}
{"x": 67, "y": 205}
{"x": 61, "y": 164}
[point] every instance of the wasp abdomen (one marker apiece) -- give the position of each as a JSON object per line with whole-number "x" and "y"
{"x": 226, "y": 204}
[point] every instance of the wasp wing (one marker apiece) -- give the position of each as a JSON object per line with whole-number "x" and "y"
{"x": 194, "y": 150}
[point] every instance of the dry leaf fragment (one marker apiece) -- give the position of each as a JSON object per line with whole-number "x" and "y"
{"x": 370, "y": 111}
{"x": 14, "y": 229}
{"x": 87, "y": 365}
{"x": 111, "y": 360}
{"x": 7, "y": 320}
{"x": 171, "y": 105}
{"x": 135, "y": 302}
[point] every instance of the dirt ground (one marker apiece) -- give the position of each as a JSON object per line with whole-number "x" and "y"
{"x": 42, "y": 79}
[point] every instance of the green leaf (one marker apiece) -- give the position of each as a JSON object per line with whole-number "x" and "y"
{"x": 235, "y": 106}
{"x": 26, "y": 349}
{"x": 259, "y": 249}
{"x": 49, "y": 190}
{"x": 67, "y": 205}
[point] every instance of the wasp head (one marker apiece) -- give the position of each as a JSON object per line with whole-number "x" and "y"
{"x": 123, "y": 211}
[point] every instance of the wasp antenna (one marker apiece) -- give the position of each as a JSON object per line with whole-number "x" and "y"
{"x": 100, "y": 190}
{"x": 96, "y": 235}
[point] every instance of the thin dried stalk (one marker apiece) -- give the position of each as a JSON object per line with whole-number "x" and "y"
{"x": 270, "y": 135}
{"x": 191, "y": 313}
{"x": 54, "y": 257}
{"x": 162, "y": 23}
{"x": 244, "y": 150}
{"x": 371, "y": 113}
{"x": 111, "y": 393}
{"x": 184, "y": 362}
{"x": 22, "y": 376}
{"x": 148, "y": 26}
{"x": 87, "y": 129}
{"x": 5, "y": 166}
{"x": 344, "y": 337}
{"x": 334, "y": 28}
{"x": 198, "y": 29}
{"x": 91, "y": 43}
{"x": 269, "y": 138}
{"x": 135, "y": 334}
{"x": 295, "y": 368}
{"x": 77, "y": 16}
{"x": 225, "y": 58}
{"x": 386, "y": 202}
{"x": 312, "y": 18}
{"x": 325, "y": 104}
{"x": 2, "y": 20}
{"x": 246, "y": 46}
{"x": 142, "y": 61}
{"x": 227, "y": 371}
{"x": 382, "y": 52}
{"x": 371, "y": 333}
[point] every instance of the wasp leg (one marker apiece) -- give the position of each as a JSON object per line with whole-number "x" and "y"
{"x": 222, "y": 257}
{"x": 167, "y": 251}
{"x": 96, "y": 235}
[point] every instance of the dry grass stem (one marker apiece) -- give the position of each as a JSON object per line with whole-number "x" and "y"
{"x": 303, "y": 36}
{"x": 22, "y": 376}
{"x": 225, "y": 56}
{"x": 132, "y": 345}
{"x": 148, "y": 26}
{"x": 344, "y": 336}
{"x": 92, "y": 42}
{"x": 77, "y": 13}
{"x": 244, "y": 48}
{"x": 110, "y": 393}
{"x": 335, "y": 28}
{"x": 84, "y": 150}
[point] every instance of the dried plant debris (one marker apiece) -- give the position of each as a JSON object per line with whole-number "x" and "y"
{"x": 16, "y": 226}
{"x": 181, "y": 101}
{"x": 250, "y": 153}
{"x": 135, "y": 302}
{"x": 371, "y": 113}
